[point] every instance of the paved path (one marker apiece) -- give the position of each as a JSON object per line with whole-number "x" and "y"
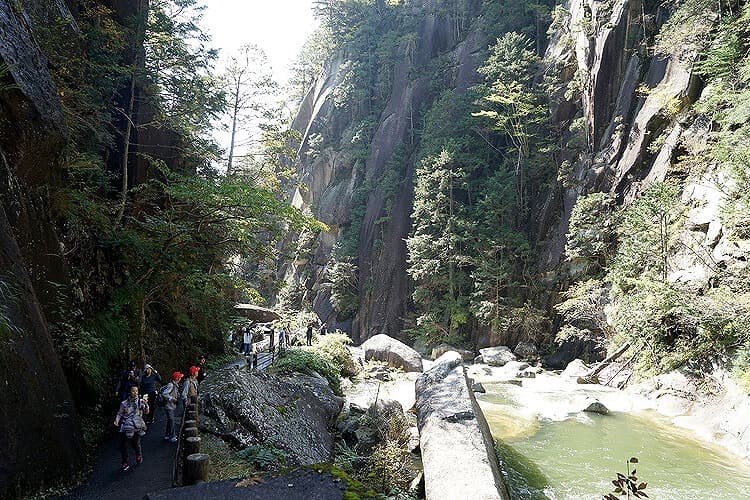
{"x": 109, "y": 482}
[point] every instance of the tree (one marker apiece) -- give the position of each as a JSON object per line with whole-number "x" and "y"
{"x": 437, "y": 262}
{"x": 514, "y": 107}
{"x": 249, "y": 87}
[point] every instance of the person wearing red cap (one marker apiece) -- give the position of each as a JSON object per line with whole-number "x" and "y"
{"x": 170, "y": 394}
{"x": 190, "y": 387}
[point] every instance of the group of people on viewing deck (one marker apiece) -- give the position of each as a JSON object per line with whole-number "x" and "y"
{"x": 140, "y": 393}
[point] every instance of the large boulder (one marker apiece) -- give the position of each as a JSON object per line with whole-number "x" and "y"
{"x": 457, "y": 448}
{"x": 497, "y": 356}
{"x": 526, "y": 350}
{"x": 396, "y": 354}
{"x": 571, "y": 349}
{"x": 443, "y": 348}
{"x": 293, "y": 413}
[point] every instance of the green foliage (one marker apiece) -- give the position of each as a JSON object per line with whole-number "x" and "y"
{"x": 687, "y": 30}
{"x": 583, "y": 310}
{"x": 627, "y": 485}
{"x": 264, "y": 456}
{"x": 333, "y": 346}
{"x": 591, "y": 230}
{"x": 309, "y": 362}
{"x": 342, "y": 281}
{"x": 648, "y": 232}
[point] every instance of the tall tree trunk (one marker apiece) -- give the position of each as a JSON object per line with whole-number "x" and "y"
{"x": 137, "y": 63}
{"x": 235, "y": 112}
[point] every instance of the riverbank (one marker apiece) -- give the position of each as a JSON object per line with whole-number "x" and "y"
{"x": 551, "y": 448}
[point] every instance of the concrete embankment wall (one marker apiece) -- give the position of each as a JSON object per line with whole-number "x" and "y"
{"x": 458, "y": 451}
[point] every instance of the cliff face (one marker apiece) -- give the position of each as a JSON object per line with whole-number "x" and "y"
{"x": 40, "y": 440}
{"x": 333, "y": 179}
{"x": 639, "y": 124}
{"x": 626, "y": 99}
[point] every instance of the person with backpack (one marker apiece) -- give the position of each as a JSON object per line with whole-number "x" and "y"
{"x": 129, "y": 377}
{"x": 190, "y": 387}
{"x": 169, "y": 395}
{"x": 129, "y": 419}
{"x": 148, "y": 387}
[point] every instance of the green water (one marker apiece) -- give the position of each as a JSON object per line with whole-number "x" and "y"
{"x": 577, "y": 458}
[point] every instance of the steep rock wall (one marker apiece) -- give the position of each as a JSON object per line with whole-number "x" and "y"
{"x": 601, "y": 47}
{"x": 332, "y": 178}
{"x": 40, "y": 440}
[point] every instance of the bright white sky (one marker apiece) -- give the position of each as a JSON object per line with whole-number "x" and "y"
{"x": 279, "y": 27}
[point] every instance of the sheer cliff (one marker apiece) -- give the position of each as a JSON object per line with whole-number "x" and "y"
{"x": 637, "y": 202}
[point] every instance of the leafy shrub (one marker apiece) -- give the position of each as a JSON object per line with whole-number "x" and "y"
{"x": 264, "y": 455}
{"x": 591, "y": 232}
{"x": 334, "y": 347}
{"x": 342, "y": 282}
{"x": 309, "y": 362}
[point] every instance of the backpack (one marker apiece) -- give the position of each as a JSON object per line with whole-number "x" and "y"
{"x": 162, "y": 395}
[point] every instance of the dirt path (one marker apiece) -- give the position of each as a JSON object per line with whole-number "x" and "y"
{"x": 109, "y": 482}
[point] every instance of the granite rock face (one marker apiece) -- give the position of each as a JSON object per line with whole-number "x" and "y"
{"x": 295, "y": 414}
{"x": 40, "y": 439}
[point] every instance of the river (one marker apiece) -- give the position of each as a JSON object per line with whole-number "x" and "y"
{"x": 553, "y": 450}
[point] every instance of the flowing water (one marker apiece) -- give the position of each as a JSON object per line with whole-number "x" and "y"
{"x": 552, "y": 450}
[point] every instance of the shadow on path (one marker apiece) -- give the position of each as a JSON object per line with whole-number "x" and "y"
{"x": 107, "y": 481}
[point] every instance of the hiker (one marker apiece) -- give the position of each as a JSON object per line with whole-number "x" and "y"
{"x": 190, "y": 386}
{"x": 130, "y": 421}
{"x": 309, "y": 333}
{"x": 247, "y": 341}
{"x": 323, "y": 329}
{"x": 203, "y": 373}
{"x": 148, "y": 387}
{"x": 270, "y": 331}
{"x": 129, "y": 377}
{"x": 282, "y": 339}
{"x": 170, "y": 395}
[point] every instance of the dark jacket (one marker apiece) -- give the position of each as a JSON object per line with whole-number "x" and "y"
{"x": 148, "y": 382}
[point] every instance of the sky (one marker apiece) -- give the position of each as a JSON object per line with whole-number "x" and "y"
{"x": 279, "y": 27}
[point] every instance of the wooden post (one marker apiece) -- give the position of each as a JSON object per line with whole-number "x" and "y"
{"x": 196, "y": 468}
{"x": 192, "y": 445}
{"x": 191, "y": 432}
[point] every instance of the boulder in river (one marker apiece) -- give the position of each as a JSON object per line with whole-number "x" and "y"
{"x": 526, "y": 350}
{"x": 396, "y": 354}
{"x": 443, "y": 348}
{"x": 575, "y": 369}
{"x": 597, "y": 407}
{"x": 293, "y": 413}
{"x": 497, "y": 356}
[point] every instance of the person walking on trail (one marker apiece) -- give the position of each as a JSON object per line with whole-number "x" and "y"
{"x": 190, "y": 387}
{"x": 283, "y": 342}
{"x": 309, "y": 333}
{"x": 247, "y": 341}
{"x": 130, "y": 421}
{"x": 203, "y": 373}
{"x": 129, "y": 377}
{"x": 148, "y": 387}
{"x": 170, "y": 395}
{"x": 323, "y": 329}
